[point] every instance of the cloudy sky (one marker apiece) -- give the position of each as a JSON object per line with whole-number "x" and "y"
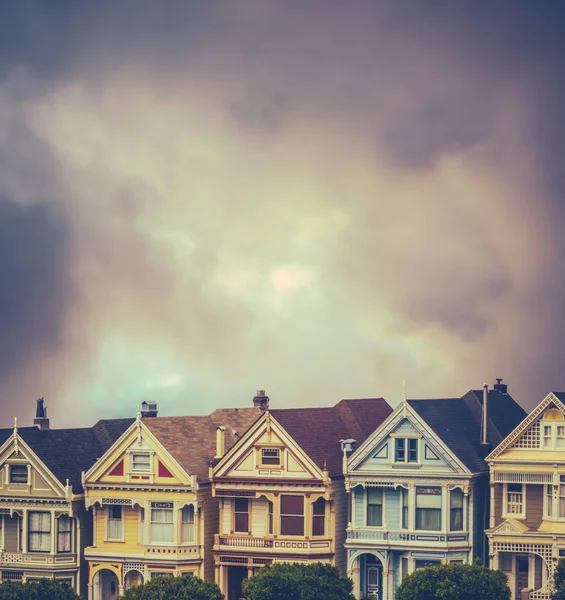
{"x": 199, "y": 199}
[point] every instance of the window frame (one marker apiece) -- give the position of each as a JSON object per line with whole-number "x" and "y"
{"x": 460, "y": 510}
{"x": 407, "y": 449}
{"x": 263, "y": 460}
{"x": 369, "y": 504}
{"x": 404, "y": 508}
{"x": 506, "y": 513}
{"x": 163, "y": 508}
{"x": 287, "y": 517}
{"x": 246, "y": 512}
{"x": 31, "y": 532}
{"x": 418, "y": 513}
{"x": 110, "y": 519}
{"x": 69, "y": 533}
{"x": 319, "y": 517}
{"x": 147, "y": 455}
{"x": 11, "y": 466}
{"x": 186, "y": 531}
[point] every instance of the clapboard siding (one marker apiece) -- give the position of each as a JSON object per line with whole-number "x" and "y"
{"x": 392, "y": 508}
{"x": 226, "y": 515}
{"x": 259, "y": 517}
{"x": 359, "y": 507}
{"x": 339, "y": 523}
{"x": 11, "y": 533}
{"x": 534, "y": 506}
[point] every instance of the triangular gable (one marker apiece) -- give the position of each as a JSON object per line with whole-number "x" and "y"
{"x": 137, "y": 457}
{"x": 41, "y": 481}
{"x": 404, "y": 420}
{"x": 525, "y": 428}
{"x": 267, "y": 450}
{"x": 511, "y": 526}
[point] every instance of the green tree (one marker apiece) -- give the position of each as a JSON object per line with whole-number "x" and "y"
{"x": 455, "y": 582}
{"x": 295, "y": 581}
{"x": 559, "y": 581}
{"x": 45, "y": 589}
{"x": 174, "y": 588}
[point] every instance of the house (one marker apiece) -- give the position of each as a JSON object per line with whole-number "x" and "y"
{"x": 526, "y": 529}
{"x": 418, "y": 487}
{"x": 280, "y": 488}
{"x": 151, "y": 501}
{"x": 43, "y": 522}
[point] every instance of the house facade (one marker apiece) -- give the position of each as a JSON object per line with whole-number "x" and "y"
{"x": 526, "y": 530}
{"x": 280, "y": 489}
{"x": 44, "y": 526}
{"x": 151, "y": 501}
{"x": 418, "y": 489}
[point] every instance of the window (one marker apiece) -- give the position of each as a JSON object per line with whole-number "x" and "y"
{"x": 292, "y": 515}
{"x": 514, "y": 499}
{"x": 141, "y": 462}
{"x": 271, "y": 457}
{"x": 374, "y": 507}
{"x": 406, "y": 450}
{"x": 162, "y": 526}
{"x": 64, "y": 534}
{"x": 553, "y": 430}
{"x": 18, "y": 473}
{"x": 241, "y": 515}
{"x": 549, "y": 503}
{"x": 505, "y": 559}
{"x": 271, "y": 509}
{"x": 428, "y": 508}
{"x": 115, "y": 523}
{"x": 456, "y": 510}
{"x": 39, "y": 532}
{"x": 319, "y": 517}
{"x": 141, "y": 532}
{"x": 404, "y": 499}
{"x": 187, "y": 524}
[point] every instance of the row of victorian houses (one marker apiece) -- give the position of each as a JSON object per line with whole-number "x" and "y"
{"x": 375, "y": 491}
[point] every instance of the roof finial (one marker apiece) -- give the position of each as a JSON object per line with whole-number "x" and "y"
{"x": 15, "y": 425}
{"x": 138, "y": 412}
{"x": 404, "y": 391}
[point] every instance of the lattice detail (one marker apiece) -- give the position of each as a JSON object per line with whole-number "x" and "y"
{"x": 11, "y": 558}
{"x": 12, "y": 575}
{"x": 406, "y": 427}
{"x": 134, "y": 566}
{"x": 530, "y": 438}
{"x": 120, "y": 501}
{"x": 233, "y": 559}
{"x": 522, "y": 477}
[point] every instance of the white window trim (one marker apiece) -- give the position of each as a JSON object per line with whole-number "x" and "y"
{"x": 106, "y": 526}
{"x": 375, "y": 527}
{"x": 553, "y": 423}
{"x": 505, "y": 513}
{"x": 141, "y": 453}
{"x": 269, "y": 466}
{"x": 176, "y": 526}
{"x": 405, "y": 463}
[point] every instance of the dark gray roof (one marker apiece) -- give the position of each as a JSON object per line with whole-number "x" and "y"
{"x": 68, "y": 452}
{"x": 457, "y": 422}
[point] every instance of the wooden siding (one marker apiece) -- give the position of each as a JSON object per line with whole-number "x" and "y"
{"x": 534, "y": 506}
{"x": 210, "y": 516}
{"x": 359, "y": 509}
{"x": 338, "y": 523}
{"x": 392, "y": 508}
{"x": 259, "y": 517}
{"x": 11, "y": 528}
{"x": 480, "y": 500}
{"x": 226, "y": 515}
{"x": 498, "y": 499}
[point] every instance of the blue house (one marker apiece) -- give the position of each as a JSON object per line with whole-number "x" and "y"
{"x": 419, "y": 487}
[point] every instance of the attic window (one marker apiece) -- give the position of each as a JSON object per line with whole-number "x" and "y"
{"x": 18, "y": 474}
{"x": 141, "y": 463}
{"x": 271, "y": 457}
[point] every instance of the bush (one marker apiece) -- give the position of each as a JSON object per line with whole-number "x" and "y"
{"x": 559, "y": 581}
{"x": 455, "y": 582}
{"x": 297, "y": 581}
{"x": 46, "y": 589}
{"x": 174, "y": 588}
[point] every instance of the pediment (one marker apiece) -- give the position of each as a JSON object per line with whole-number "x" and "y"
{"x": 511, "y": 526}
{"x": 267, "y": 451}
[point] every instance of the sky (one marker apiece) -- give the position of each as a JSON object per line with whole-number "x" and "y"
{"x": 322, "y": 199}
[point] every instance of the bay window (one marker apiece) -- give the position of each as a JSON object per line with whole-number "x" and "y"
{"x": 456, "y": 510}
{"x": 64, "y": 534}
{"x": 187, "y": 524}
{"x": 292, "y": 515}
{"x": 319, "y": 517}
{"x": 374, "y": 507}
{"x": 428, "y": 508}
{"x": 162, "y": 522}
{"x": 241, "y": 515}
{"x": 115, "y": 529}
{"x": 39, "y": 532}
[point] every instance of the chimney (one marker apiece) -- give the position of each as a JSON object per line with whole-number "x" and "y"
{"x": 484, "y": 424}
{"x": 501, "y": 387}
{"x": 220, "y": 441}
{"x": 261, "y": 401}
{"x": 348, "y": 445}
{"x": 41, "y": 419}
{"x": 148, "y": 409}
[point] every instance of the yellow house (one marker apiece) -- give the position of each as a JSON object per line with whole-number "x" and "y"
{"x": 281, "y": 491}
{"x": 43, "y": 522}
{"x": 527, "y": 499}
{"x": 151, "y": 501}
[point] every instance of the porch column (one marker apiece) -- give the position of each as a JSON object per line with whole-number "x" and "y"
{"x": 411, "y": 507}
{"x": 53, "y": 533}
{"x": 411, "y": 564}
{"x": 120, "y": 590}
{"x": 354, "y": 574}
{"x": 387, "y": 585}
{"x": 444, "y": 507}
{"x": 353, "y": 507}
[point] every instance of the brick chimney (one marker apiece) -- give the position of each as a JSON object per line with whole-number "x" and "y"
{"x": 148, "y": 409}
{"x": 41, "y": 419}
{"x": 261, "y": 401}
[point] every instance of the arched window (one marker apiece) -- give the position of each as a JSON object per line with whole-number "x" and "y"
{"x": 553, "y": 430}
{"x": 187, "y": 524}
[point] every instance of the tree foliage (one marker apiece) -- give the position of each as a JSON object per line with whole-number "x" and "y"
{"x": 559, "y": 581}
{"x": 295, "y": 581}
{"x": 174, "y": 588}
{"x": 455, "y": 582}
{"x": 45, "y": 589}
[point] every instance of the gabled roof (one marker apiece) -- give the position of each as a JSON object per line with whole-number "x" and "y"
{"x": 457, "y": 422}
{"x": 191, "y": 441}
{"x": 68, "y": 452}
{"x": 318, "y": 431}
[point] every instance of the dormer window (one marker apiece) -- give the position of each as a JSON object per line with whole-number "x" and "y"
{"x": 271, "y": 457}
{"x": 18, "y": 474}
{"x": 141, "y": 462}
{"x": 553, "y": 430}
